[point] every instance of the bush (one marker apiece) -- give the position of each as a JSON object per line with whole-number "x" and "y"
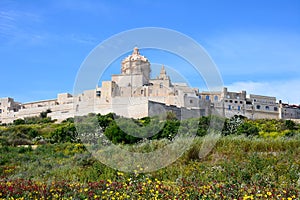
{"x": 247, "y": 128}
{"x": 19, "y": 121}
{"x": 66, "y": 133}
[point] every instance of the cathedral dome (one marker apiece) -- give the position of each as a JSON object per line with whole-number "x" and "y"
{"x": 135, "y": 56}
{"x": 136, "y": 64}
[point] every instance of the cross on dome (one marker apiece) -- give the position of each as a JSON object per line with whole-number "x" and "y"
{"x": 136, "y": 51}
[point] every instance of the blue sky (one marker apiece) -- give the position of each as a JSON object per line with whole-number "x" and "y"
{"x": 255, "y": 44}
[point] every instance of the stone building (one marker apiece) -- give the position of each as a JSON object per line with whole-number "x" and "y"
{"x": 133, "y": 93}
{"x": 253, "y": 106}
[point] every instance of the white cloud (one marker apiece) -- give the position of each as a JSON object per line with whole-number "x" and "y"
{"x": 287, "y": 91}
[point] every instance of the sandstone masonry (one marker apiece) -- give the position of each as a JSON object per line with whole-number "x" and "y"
{"x": 134, "y": 94}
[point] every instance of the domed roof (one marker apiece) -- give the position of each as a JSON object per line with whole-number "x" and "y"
{"x": 135, "y": 56}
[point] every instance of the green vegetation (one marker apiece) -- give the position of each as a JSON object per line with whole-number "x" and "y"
{"x": 36, "y": 130}
{"x": 255, "y": 159}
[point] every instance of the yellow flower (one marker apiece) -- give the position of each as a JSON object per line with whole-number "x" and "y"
{"x": 86, "y": 189}
{"x": 120, "y": 173}
{"x": 269, "y": 193}
{"x": 247, "y": 197}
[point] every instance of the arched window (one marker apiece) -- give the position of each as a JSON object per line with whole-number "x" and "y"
{"x": 207, "y": 97}
{"x": 216, "y": 98}
{"x": 257, "y": 107}
{"x": 267, "y": 108}
{"x": 161, "y": 85}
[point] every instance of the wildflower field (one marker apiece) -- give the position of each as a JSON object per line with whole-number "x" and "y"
{"x": 238, "y": 167}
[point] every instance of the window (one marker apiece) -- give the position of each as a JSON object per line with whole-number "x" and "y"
{"x": 267, "y": 108}
{"x": 238, "y": 97}
{"x": 161, "y": 85}
{"x": 207, "y": 97}
{"x": 229, "y": 107}
{"x": 0, "y": 110}
{"x": 142, "y": 91}
{"x": 226, "y": 100}
{"x": 191, "y": 101}
{"x": 275, "y": 109}
{"x": 257, "y": 107}
{"x": 239, "y": 107}
{"x": 228, "y": 96}
{"x": 241, "y": 102}
{"x": 235, "y": 101}
{"x": 230, "y": 101}
{"x": 216, "y": 98}
{"x": 98, "y": 93}
{"x": 200, "y": 97}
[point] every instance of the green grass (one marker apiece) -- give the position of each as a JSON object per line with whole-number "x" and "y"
{"x": 251, "y": 164}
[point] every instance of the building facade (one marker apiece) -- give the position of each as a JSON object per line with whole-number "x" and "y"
{"x": 132, "y": 93}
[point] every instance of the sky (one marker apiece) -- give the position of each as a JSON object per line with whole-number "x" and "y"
{"x": 255, "y": 44}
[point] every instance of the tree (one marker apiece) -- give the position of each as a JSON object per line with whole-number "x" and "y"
{"x": 203, "y": 126}
{"x": 66, "y": 133}
{"x": 44, "y": 114}
{"x": 231, "y": 125}
{"x": 19, "y": 121}
{"x": 291, "y": 125}
{"x": 247, "y": 128}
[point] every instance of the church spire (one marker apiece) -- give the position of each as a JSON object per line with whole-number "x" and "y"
{"x": 163, "y": 71}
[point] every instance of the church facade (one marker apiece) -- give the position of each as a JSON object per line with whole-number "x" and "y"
{"x": 133, "y": 93}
